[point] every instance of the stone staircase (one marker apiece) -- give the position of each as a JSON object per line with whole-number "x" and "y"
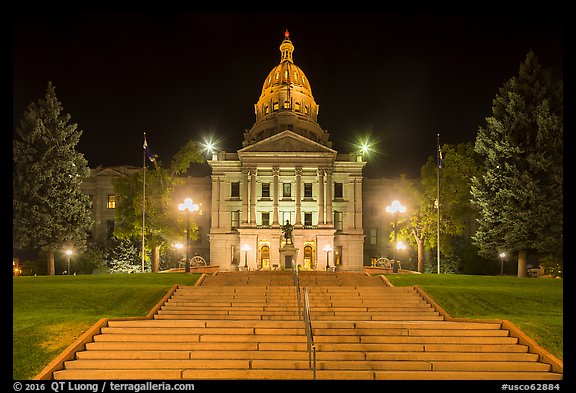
{"x": 245, "y": 325}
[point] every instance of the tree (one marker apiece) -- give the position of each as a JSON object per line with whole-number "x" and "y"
{"x": 163, "y": 223}
{"x": 49, "y": 209}
{"x": 519, "y": 193}
{"x": 456, "y": 213}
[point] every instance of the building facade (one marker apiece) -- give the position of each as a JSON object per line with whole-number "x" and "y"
{"x": 286, "y": 175}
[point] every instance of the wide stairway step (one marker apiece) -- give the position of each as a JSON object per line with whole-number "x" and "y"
{"x": 248, "y": 325}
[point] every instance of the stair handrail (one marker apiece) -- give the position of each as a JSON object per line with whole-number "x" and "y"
{"x": 296, "y": 282}
{"x": 309, "y": 336}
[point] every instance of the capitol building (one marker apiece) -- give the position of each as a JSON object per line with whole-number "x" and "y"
{"x": 285, "y": 176}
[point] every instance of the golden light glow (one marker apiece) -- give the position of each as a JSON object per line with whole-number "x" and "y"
{"x": 395, "y": 207}
{"x": 188, "y": 205}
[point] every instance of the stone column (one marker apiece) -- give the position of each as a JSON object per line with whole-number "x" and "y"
{"x": 298, "y": 172}
{"x": 358, "y": 203}
{"x": 215, "y": 213}
{"x": 275, "y": 173}
{"x": 320, "y": 196}
{"x": 253, "y": 196}
{"x": 329, "y": 213}
{"x": 245, "y": 172}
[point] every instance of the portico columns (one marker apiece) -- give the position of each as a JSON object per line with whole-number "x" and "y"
{"x": 253, "y": 196}
{"x": 245, "y": 172}
{"x": 328, "y": 196}
{"x": 320, "y": 196}
{"x": 275, "y": 173}
{"x": 298, "y": 172}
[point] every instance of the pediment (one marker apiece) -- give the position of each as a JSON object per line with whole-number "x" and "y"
{"x": 113, "y": 171}
{"x": 287, "y": 142}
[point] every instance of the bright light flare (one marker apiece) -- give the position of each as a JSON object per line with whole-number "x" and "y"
{"x": 209, "y": 145}
{"x": 188, "y": 205}
{"x": 395, "y": 207}
{"x": 400, "y": 246}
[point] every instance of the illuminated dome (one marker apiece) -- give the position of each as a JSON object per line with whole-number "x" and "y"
{"x": 286, "y": 103}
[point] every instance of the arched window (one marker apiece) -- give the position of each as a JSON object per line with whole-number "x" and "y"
{"x": 308, "y": 263}
{"x": 265, "y": 257}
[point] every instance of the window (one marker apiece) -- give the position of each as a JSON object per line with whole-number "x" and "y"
{"x": 373, "y": 235}
{"x": 111, "y": 201}
{"x": 275, "y": 106}
{"x": 307, "y": 219}
{"x": 265, "y": 190}
{"x": 109, "y": 229}
{"x": 338, "y": 190}
{"x": 235, "y": 189}
{"x": 286, "y": 190}
{"x": 235, "y": 219}
{"x": 307, "y": 190}
{"x": 266, "y": 109}
{"x": 297, "y": 106}
{"x": 266, "y": 219}
{"x": 286, "y": 104}
{"x": 338, "y": 220}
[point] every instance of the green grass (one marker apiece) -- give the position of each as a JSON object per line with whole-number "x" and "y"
{"x": 534, "y": 305}
{"x": 49, "y": 313}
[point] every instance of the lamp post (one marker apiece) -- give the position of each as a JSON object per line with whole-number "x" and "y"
{"x": 502, "y": 255}
{"x": 400, "y": 246}
{"x": 68, "y": 254}
{"x": 327, "y": 249}
{"x": 246, "y": 248}
{"x": 188, "y": 206}
{"x": 395, "y": 208}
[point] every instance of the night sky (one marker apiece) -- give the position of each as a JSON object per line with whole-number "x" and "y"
{"x": 397, "y": 78}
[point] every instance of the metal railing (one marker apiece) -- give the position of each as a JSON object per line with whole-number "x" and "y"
{"x": 310, "y": 347}
{"x": 296, "y": 282}
{"x": 309, "y": 336}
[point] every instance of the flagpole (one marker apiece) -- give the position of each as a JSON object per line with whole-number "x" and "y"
{"x": 143, "y": 201}
{"x": 438, "y": 154}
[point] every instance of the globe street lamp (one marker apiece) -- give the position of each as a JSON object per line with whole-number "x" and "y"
{"x": 327, "y": 249}
{"x": 502, "y": 255}
{"x": 68, "y": 253}
{"x": 188, "y": 206}
{"x": 246, "y": 248}
{"x": 395, "y": 208}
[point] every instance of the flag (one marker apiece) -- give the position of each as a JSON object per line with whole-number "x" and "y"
{"x": 148, "y": 152}
{"x": 151, "y": 157}
{"x": 440, "y": 163}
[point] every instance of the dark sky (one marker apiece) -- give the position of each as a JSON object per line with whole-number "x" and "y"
{"x": 398, "y": 78}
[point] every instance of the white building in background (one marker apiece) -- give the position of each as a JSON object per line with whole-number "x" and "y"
{"x": 286, "y": 171}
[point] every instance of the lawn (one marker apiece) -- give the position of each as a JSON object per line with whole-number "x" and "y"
{"x": 534, "y": 305}
{"x": 49, "y": 313}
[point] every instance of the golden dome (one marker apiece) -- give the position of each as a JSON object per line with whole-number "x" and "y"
{"x": 286, "y": 73}
{"x": 286, "y": 102}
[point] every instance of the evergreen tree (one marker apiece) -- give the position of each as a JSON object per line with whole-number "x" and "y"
{"x": 123, "y": 257}
{"x": 519, "y": 194}
{"x": 49, "y": 210}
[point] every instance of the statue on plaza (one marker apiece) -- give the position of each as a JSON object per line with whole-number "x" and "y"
{"x": 287, "y": 230}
